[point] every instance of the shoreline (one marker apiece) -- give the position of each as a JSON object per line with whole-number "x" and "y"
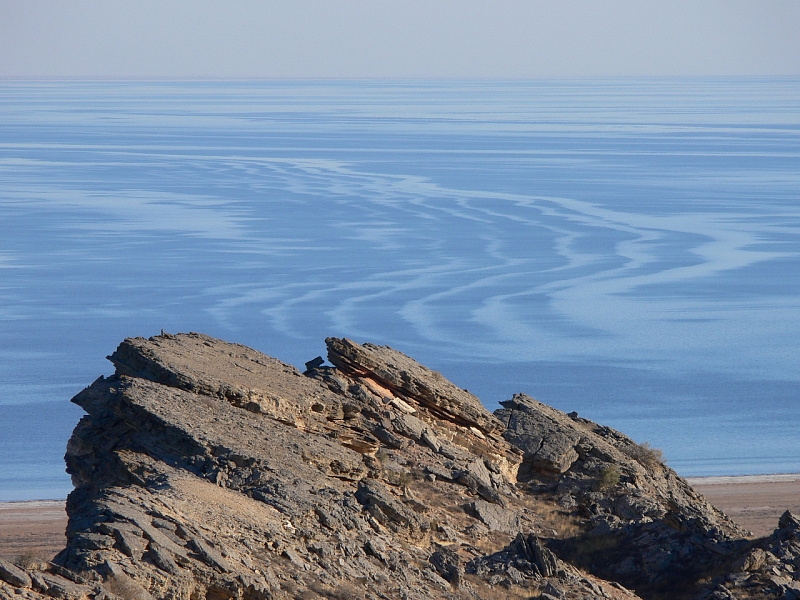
{"x": 743, "y": 479}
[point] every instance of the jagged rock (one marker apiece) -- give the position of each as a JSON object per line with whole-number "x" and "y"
{"x": 409, "y": 426}
{"x": 213, "y": 368}
{"x": 407, "y": 378}
{"x": 789, "y": 527}
{"x": 649, "y": 527}
{"x": 495, "y": 517}
{"x": 530, "y": 548}
{"x": 386, "y": 510}
{"x": 448, "y": 565}
{"x": 62, "y": 588}
{"x": 524, "y": 557}
{"x": 773, "y": 566}
{"x": 205, "y": 469}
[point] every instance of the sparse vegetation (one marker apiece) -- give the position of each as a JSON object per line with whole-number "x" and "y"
{"x": 647, "y": 456}
{"x": 549, "y": 515}
{"x": 31, "y": 559}
{"x": 609, "y": 477}
{"x": 346, "y": 591}
{"x": 590, "y": 545}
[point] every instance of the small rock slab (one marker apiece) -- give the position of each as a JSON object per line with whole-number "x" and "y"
{"x": 406, "y": 377}
{"x": 493, "y": 516}
{"x": 11, "y": 573}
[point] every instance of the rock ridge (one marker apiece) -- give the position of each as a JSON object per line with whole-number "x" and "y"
{"x": 208, "y": 470}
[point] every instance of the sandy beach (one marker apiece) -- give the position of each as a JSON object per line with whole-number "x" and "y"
{"x": 755, "y": 501}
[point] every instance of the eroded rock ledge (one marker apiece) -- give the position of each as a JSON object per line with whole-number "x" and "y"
{"x": 208, "y": 470}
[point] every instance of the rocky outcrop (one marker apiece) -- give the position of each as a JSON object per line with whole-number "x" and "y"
{"x": 207, "y": 470}
{"x": 641, "y": 524}
{"x": 393, "y": 375}
{"x": 771, "y": 569}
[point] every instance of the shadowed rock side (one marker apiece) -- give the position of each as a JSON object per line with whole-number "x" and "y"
{"x": 207, "y": 470}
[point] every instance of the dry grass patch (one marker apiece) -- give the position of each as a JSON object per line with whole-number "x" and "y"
{"x": 550, "y": 517}
{"x": 31, "y": 559}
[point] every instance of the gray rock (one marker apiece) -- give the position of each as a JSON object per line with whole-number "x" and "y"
{"x": 448, "y": 565}
{"x": 495, "y": 517}
{"x": 378, "y": 501}
{"x": 12, "y": 574}
{"x": 789, "y": 526}
{"x": 547, "y": 444}
{"x": 63, "y": 589}
{"x": 530, "y": 548}
{"x": 409, "y": 426}
{"x": 525, "y": 555}
{"x": 162, "y": 559}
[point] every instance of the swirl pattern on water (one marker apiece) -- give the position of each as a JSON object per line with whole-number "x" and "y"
{"x": 627, "y": 248}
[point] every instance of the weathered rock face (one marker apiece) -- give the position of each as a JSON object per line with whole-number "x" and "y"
{"x": 404, "y": 378}
{"x": 207, "y": 470}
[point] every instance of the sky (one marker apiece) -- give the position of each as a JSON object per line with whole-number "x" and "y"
{"x": 397, "y": 39}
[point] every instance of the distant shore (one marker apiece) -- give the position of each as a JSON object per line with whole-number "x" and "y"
{"x": 726, "y": 479}
{"x": 36, "y": 527}
{"x": 754, "y": 501}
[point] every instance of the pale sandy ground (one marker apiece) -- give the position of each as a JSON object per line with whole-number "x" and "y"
{"x": 32, "y": 528}
{"x": 755, "y": 502}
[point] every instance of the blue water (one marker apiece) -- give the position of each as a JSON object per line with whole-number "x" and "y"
{"x": 626, "y": 248}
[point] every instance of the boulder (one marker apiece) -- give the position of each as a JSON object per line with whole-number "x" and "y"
{"x": 549, "y": 444}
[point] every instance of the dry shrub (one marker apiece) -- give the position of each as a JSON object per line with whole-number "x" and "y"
{"x": 31, "y": 559}
{"x": 650, "y": 458}
{"x": 398, "y": 478}
{"x": 593, "y": 544}
{"x": 491, "y": 542}
{"x": 609, "y": 477}
{"x": 384, "y": 455}
{"x": 551, "y": 516}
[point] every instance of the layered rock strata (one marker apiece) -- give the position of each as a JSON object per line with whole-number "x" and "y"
{"x": 207, "y": 470}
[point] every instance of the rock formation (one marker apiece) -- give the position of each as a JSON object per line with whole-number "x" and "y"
{"x": 207, "y": 470}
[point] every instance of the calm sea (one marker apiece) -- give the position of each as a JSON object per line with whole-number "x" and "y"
{"x": 626, "y": 248}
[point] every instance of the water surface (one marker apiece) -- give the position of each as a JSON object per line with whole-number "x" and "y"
{"x": 626, "y": 248}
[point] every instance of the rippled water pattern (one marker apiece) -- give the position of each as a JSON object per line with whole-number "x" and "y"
{"x": 626, "y": 248}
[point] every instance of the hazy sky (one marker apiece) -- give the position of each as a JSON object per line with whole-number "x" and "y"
{"x": 402, "y": 38}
